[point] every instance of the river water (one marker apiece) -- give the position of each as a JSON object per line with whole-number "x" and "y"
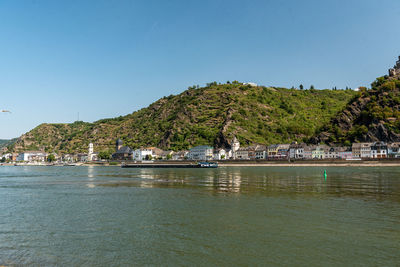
{"x": 230, "y": 216}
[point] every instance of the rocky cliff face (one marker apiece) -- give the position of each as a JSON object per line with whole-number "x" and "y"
{"x": 372, "y": 116}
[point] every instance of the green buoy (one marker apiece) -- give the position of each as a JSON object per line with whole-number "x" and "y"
{"x": 325, "y": 174}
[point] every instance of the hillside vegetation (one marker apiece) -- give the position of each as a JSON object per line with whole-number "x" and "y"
{"x": 210, "y": 115}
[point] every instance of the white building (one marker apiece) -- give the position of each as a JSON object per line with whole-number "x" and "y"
{"x": 394, "y": 150}
{"x": 243, "y": 153}
{"x": 235, "y": 145}
{"x": 220, "y": 154}
{"x": 32, "y": 156}
{"x": 379, "y": 150}
{"x": 7, "y": 156}
{"x": 90, "y": 149}
{"x": 167, "y": 155}
{"x": 147, "y": 153}
{"x": 180, "y": 155}
{"x": 68, "y": 158}
{"x": 251, "y": 84}
{"x": 296, "y": 151}
{"x": 200, "y": 153}
{"x": 365, "y": 151}
{"x": 91, "y": 155}
{"x": 141, "y": 154}
{"x": 260, "y": 152}
{"x": 331, "y": 153}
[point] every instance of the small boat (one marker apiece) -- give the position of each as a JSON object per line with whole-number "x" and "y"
{"x": 70, "y": 164}
{"x": 207, "y": 164}
{"x": 171, "y": 165}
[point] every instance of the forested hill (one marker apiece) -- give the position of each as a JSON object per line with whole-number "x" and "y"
{"x": 374, "y": 115}
{"x": 209, "y": 115}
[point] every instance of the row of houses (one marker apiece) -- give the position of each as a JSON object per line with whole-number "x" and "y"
{"x": 29, "y": 156}
{"x": 257, "y": 152}
{"x": 40, "y": 156}
{"x": 375, "y": 150}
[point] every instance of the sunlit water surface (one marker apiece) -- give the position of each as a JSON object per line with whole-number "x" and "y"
{"x": 256, "y": 216}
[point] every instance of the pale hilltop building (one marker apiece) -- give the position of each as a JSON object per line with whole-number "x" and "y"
{"x": 251, "y": 84}
{"x": 395, "y": 70}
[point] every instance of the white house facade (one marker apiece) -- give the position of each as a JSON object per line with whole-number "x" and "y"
{"x": 201, "y": 153}
{"x": 32, "y": 156}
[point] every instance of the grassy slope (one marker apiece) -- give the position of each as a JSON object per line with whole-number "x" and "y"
{"x": 201, "y": 116}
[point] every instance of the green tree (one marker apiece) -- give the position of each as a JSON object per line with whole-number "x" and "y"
{"x": 51, "y": 158}
{"x": 301, "y": 87}
{"x": 105, "y": 155}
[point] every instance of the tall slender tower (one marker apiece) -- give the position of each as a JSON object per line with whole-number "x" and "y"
{"x": 90, "y": 152}
{"x": 90, "y": 149}
{"x": 235, "y": 144}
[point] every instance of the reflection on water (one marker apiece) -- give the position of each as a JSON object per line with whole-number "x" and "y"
{"x": 90, "y": 175}
{"x": 109, "y": 216}
{"x": 368, "y": 182}
{"x": 90, "y": 172}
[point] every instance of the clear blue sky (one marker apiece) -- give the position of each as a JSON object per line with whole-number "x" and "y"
{"x": 110, "y": 58}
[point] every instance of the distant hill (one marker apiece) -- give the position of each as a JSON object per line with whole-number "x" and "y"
{"x": 5, "y": 142}
{"x": 208, "y": 115}
{"x": 370, "y": 116}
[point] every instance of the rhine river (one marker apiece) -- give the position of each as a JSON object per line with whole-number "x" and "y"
{"x": 230, "y": 216}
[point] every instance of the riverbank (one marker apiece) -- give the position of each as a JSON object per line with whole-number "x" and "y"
{"x": 264, "y": 163}
{"x": 254, "y": 163}
{"x": 314, "y": 164}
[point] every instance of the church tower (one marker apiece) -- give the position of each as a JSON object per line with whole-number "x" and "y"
{"x": 118, "y": 144}
{"x": 90, "y": 152}
{"x": 90, "y": 149}
{"x": 235, "y": 144}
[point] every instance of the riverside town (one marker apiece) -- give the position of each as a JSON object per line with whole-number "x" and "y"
{"x": 200, "y": 133}
{"x": 274, "y": 152}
